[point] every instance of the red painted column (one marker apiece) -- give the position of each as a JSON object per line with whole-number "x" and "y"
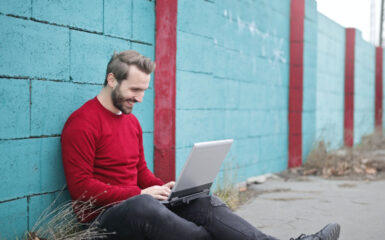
{"x": 165, "y": 89}
{"x": 297, "y": 18}
{"x": 378, "y": 100}
{"x": 349, "y": 87}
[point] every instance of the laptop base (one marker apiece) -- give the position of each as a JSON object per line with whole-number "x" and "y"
{"x": 185, "y": 199}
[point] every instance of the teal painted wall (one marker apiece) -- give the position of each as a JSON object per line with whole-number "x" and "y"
{"x": 364, "y": 88}
{"x": 53, "y": 59}
{"x": 309, "y": 78}
{"x": 232, "y": 82}
{"x": 330, "y": 83}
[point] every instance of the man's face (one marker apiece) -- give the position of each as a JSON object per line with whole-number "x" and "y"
{"x": 130, "y": 90}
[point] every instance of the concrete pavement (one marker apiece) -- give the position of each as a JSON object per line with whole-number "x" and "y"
{"x": 286, "y": 209}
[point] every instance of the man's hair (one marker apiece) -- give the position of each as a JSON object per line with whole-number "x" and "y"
{"x": 120, "y": 63}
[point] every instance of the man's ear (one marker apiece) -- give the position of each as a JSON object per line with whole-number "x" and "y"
{"x": 111, "y": 80}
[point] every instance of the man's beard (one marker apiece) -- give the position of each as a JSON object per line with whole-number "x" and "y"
{"x": 118, "y": 100}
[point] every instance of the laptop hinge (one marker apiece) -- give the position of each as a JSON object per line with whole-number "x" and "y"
{"x": 191, "y": 197}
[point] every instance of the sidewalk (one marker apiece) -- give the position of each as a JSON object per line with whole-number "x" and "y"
{"x": 286, "y": 209}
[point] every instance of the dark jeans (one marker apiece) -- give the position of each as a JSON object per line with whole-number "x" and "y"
{"x": 143, "y": 217}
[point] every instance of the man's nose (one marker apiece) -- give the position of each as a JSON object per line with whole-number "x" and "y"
{"x": 138, "y": 98}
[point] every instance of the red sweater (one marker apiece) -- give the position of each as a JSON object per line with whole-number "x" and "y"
{"x": 103, "y": 155}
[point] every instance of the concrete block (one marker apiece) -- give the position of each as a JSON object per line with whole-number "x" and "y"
{"x": 224, "y": 57}
{"x": 274, "y": 146}
{"x": 232, "y": 96}
{"x": 196, "y": 17}
{"x": 279, "y": 23}
{"x": 18, "y": 8}
{"x": 309, "y": 77}
{"x": 74, "y": 13}
{"x": 144, "y": 111}
{"x": 41, "y": 173}
{"x": 51, "y": 168}
{"x": 45, "y": 49}
{"x": 274, "y": 122}
{"x": 309, "y": 100}
{"x": 21, "y": 176}
{"x": 242, "y": 67}
{"x": 248, "y": 151}
{"x": 143, "y": 21}
{"x": 43, "y": 208}
{"x": 236, "y": 123}
{"x": 216, "y": 93}
{"x": 252, "y": 96}
{"x": 308, "y": 122}
{"x": 197, "y": 90}
{"x": 256, "y": 126}
{"x": 13, "y": 219}
{"x": 199, "y": 125}
{"x": 85, "y": 68}
{"x": 199, "y": 60}
{"x": 226, "y": 33}
{"x": 14, "y": 110}
{"x": 282, "y": 7}
{"x": 118, "y": 18}
{"x": 278, "y": 97}
{"x": 48, "y": 116}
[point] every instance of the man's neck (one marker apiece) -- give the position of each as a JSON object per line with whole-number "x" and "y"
{"x": 104, "y": 98}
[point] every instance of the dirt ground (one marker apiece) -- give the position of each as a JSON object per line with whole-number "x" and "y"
{"x": 365, "y": 161}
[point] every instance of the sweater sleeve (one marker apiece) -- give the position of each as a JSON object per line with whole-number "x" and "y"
{"x": 145, "y": 177}
{"x": 78, "y": 142}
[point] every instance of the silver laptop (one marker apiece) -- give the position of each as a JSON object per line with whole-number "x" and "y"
{"x": 199, "y": 171}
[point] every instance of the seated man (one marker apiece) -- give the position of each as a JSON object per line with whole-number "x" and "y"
{"x": 104, "y": 163}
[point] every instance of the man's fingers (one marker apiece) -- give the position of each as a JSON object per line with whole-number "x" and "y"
{"x": 161, "y": 190}
{"x": 158, "y": 192}
{"x": 169, "y": 185}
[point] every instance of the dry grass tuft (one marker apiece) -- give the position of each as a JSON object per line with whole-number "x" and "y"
{"x": 226, "y": 189}
{"x": 61, "y": 223}
{"x": 364, "y": 161}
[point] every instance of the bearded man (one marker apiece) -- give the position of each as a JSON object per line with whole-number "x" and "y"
{"x": 103, "y": 158}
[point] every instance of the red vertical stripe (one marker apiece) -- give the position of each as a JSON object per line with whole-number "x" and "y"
{"x": 349, "y": 87}
{"x": 165, "y": 89}
{"x": 378, "y": 100}
{"x": 297, "y": 18}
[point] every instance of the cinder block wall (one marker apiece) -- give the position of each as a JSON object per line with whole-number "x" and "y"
{"x": 309, "y": 77}
{"x": 364, "y": 88}
{"x": 232, "y": 82}
{"x": 330, "y": 82}
{"x": 53, "y": 59}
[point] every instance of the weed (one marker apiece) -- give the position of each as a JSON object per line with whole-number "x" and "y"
{"x": 61, "y": 223}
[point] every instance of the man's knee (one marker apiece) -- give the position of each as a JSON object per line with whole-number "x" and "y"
{"x": 141, "y": 206}
{"x": 210, "y": 201}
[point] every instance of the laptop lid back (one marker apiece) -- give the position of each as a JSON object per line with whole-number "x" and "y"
{"x": 202, "y": 165}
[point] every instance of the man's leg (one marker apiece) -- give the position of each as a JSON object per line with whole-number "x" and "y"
{"x": 219, "y": 220}
{"x": 143, "y": 217}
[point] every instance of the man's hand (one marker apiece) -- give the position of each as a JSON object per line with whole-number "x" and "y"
{"x": 158, "y": 192}
{"x": 170, "y": 185}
